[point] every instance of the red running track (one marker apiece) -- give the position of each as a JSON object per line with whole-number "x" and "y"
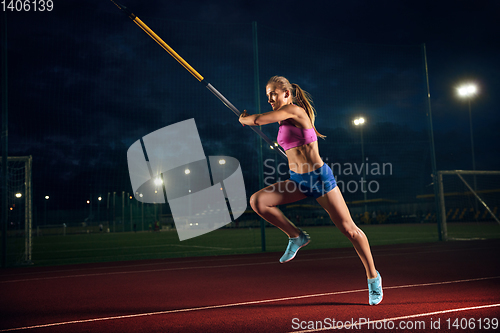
{"x": 453, "y": 285}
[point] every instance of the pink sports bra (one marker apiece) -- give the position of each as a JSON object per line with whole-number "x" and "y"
{"x": 290, "y": 136}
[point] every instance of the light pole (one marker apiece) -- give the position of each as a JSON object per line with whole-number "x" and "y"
{"x": 45, "y": 209}
{"x": 18, "y": 223}
{"x": 142, "y": 209}
{"x": 132, "y": 224}
{"x": 123, "y": 211}
{"x": 99, "y": 199}
{"x": 159, "y": 187}
{"x": 188, "y": 172}
{"x": 114, "y": 211}
{"x": 360, "y": 121}
{"x": 222, "y": 162}
{"x": 89, "y": 202}
{"x": 468, "y": 91}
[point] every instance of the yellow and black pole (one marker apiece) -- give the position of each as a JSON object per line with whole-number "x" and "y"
{"x": 193, "y": 72}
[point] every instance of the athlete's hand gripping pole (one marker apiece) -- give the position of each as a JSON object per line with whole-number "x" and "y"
{"x": 197, "y": 75}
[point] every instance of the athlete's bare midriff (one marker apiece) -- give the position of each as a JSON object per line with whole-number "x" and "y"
{"x": 304, "y": 159}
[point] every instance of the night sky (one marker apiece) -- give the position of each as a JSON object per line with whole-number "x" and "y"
{"x": 84, "y": 82}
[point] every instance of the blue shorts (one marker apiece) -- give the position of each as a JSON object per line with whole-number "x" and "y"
{"x": 315, "y": 183}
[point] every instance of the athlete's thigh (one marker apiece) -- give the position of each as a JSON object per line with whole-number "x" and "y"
{"x": 280, "y": 193}
{"x": 333, "y": 202}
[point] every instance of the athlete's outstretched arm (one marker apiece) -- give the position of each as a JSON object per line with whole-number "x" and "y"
{"x": 270, "y": 117}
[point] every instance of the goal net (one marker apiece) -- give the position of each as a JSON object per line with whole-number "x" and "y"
{"x": 469, "y": 204}
{"x": 19, "y": 211}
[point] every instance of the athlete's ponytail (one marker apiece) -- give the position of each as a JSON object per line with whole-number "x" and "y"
{"x": 304, "y": 100}
{"x": 300, "y": 97}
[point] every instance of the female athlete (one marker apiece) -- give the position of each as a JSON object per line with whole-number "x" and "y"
{"x": 309, "y": 176}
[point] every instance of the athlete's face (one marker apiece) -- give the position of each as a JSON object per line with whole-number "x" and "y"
{"x": 277, "y": 97}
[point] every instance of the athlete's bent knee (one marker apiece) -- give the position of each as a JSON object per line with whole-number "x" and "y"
{"x": 256, "y": 203}
{"x": 352, "y": 233}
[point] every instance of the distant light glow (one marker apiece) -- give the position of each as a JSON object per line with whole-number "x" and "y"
{"x": 47, "y": 197}
{"x": 359, "y": 121}
{"x": 222, "y": 162}
{"x": 467, "y": 90}
{"x": 18, "y": 195}
{"x": 187, "y": 171}
{"x": 158, "y": 181}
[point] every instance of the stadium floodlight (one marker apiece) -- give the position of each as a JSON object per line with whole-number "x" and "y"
{"x": 359, "y": 121}
{"x": 467, "y": 90}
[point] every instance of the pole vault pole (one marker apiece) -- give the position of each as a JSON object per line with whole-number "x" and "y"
{"x": 201, "y": 79}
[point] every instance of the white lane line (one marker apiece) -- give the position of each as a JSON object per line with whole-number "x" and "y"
{"x": 373, "y": 322}
{"x": 237, "y": 304}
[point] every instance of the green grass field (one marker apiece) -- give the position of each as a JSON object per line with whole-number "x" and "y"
{"x": 105, "y": 247}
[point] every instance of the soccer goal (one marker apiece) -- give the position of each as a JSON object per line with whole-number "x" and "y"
{"x": 468, "y": 198}
{"x": 18, "y": 242}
